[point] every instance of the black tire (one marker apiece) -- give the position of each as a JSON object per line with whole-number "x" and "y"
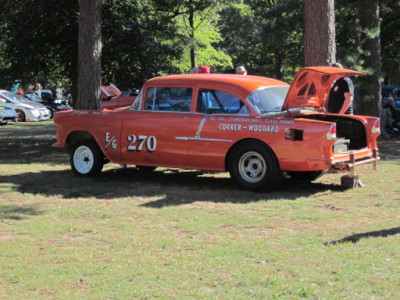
{"x": 20, "y": 115}
{"x": 51, "y": 112}
{"x": 254, "y": 166}
{"x": 305, "y": 175}
{"x": 86, "y": 159}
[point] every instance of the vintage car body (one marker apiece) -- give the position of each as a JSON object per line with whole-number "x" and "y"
{"x": 7, "y": 115}
{"x": 26, "y": 110}
{"x": 224, "y": 122}
{"x": 112, "y": 97}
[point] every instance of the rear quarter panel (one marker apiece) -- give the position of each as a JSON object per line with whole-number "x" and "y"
{"x": 220, "y": 133}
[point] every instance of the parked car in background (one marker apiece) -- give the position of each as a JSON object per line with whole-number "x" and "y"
{"x": 7, "y": 115}
{"x": 390, "y": 89}
{"x": 25, "y": 109}
{"x": 112, "y": 97}
{"x": 54, "y": 105}
{"x": 48, "y": 96}
{"x": 254, "y": 127}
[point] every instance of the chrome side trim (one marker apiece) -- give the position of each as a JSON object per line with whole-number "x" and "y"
{"x": 201, "y": 139}
{"x": 201, "y": 126}
{"x": 197, "y": 136}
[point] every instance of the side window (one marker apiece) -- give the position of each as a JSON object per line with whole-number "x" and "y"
{"x": 168, "y": 99}
{"x": 217, "y": 102}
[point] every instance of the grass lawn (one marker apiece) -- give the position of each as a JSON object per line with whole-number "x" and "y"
{"x": 188, "y": 234}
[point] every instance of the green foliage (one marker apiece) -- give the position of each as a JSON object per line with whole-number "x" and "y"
{"x": 202, "y": 37}
{"x": 40, "y": 40}
{"x": 136, "y": 43}
{"x": 390, "y": 39}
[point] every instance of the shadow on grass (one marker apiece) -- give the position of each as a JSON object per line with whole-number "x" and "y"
{"x": 22, "y": 151}
{"x": 168, "y": 187}
{"x": 14, "y": 212}
{"x": 357, "y": 237}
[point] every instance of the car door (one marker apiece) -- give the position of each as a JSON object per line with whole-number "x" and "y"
{"x": 211, "y": 128}
{"x": 156, "y": 134}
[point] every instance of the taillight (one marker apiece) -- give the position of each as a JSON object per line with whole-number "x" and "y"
{"x": 377, "y": 126}
{"x": 331, "y": 135}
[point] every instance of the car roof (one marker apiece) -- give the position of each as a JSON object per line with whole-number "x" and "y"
{"x": 244, "y": 83}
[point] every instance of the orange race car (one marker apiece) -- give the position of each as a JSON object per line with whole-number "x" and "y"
{"x": 254, "y": 127}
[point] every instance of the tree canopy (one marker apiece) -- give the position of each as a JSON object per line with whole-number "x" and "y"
{"x": 146, "y": 38}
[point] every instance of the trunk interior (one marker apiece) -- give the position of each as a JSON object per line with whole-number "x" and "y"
{"x": 347, "y": 128}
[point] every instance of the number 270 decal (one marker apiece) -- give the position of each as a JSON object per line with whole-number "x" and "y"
{"x": 136, "y": 143}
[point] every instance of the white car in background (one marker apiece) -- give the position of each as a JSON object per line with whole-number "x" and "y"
{"x": 26, "y": 110}
{"x": 7, "y": 115}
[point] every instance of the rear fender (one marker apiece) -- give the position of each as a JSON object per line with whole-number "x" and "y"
{"x": 227, "y": 157}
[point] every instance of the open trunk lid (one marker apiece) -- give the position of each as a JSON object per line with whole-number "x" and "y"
{"x": 311, "y": 86}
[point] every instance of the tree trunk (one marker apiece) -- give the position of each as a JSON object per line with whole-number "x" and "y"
{"x": 89, "y": 55}
{"x": 192, "y": 42}
{"x": 320, "y": 44}
{"x": 368, "y": 98}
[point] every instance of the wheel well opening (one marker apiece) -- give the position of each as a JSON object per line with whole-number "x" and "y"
{"x": 77, "y": 136}
{"x": 227, "y": 157}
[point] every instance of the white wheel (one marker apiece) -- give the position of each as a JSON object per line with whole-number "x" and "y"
{"x": 86, "y": 159}
{"x": 252, "y": 167}
{"x": 83, "y": 159}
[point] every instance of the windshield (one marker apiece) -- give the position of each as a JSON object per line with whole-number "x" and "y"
{"x": 33, "y": 97}
{"x": 13, "y": 97}
{"x": 268, "y": 99}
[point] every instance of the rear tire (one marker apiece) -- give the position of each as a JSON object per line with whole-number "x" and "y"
{"x": 86, "y": 159}
{"x": 254, "y": 166}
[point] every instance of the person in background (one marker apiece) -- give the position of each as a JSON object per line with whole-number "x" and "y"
{"x": 341, "y": 92}
{"x": 394, "y": 120}
{"x": 59, "y": 91}
{"x": 38, "y": 90}
{"x": 240, "y": 70}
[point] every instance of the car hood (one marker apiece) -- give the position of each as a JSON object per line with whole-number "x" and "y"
{"x": 311, "y": 86}
{"x": 29, "y": 104}
{"x": 108, "y": 91}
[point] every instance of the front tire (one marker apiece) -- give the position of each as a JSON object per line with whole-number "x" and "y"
{"x": 254, "y": 166}
{"x": 20, "y": 115}
{"x": 86, "y": 159}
